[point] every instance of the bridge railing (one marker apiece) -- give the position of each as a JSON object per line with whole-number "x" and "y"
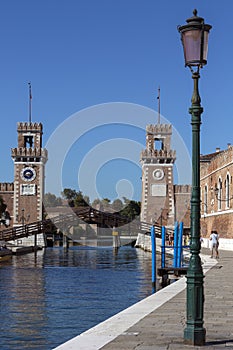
{"x": 78, "y": 215}
{"x": 18, "y": 232}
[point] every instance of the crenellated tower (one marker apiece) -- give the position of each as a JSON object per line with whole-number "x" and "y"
{"x": 157, "y": 175}
{"x": 29, "y": 172}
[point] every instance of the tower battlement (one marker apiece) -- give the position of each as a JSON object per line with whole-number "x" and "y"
{"x": 159, "y": 128}
{"x": 6, "y": 187}
{"x": 32, "y": 127}
{"x": 170, "y": 155}
{"x": 157, "y": 161}
{"x": 29, "y": 135}
{"x": 29, "y": 152}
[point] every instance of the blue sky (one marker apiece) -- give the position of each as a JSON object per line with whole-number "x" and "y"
{"x": 79, "y": 54}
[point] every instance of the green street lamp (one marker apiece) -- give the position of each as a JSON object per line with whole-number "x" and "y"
{"x": 194, "y": 37}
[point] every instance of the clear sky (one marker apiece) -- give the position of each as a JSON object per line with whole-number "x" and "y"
{"x": 78, "y": 54}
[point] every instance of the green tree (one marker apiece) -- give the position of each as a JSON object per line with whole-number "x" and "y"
{"x": 69, "y": 194}
{"x": 50, "y": 200}
{"x": 80, "y": 201}
{"x": 75, "y": 199}
{"x": 131, "y": 208}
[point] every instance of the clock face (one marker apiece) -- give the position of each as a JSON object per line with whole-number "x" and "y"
{"x": 158, "y": 174}
{"x": 28, "y": 174}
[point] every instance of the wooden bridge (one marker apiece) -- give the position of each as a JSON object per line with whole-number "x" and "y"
{"x": 87, "y": 215}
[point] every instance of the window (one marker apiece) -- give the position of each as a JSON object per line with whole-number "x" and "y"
{"x": 219, "y": 194}
{"x": 205, "y": 199}
{"x": 158, "y": 144}
{"x": 28, "y": 141}
{"x": 227, "y": 191}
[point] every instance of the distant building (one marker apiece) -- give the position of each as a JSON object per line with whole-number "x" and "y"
{"x": 217, "y": 193}
{"x": 24, "y": 197}
{"x": 162, "y": 201}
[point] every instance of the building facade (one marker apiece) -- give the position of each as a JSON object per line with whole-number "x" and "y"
{"x": 157, "y": 174}
{"x": 217, "y": 193}
{"x": 162, "y": 202}
{"x": 24, "y": 197}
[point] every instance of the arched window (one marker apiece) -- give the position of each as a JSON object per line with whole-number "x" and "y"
{"x": 205, "y": 199}
{"x": 227, "y": 191}
{"x": 219, "y": 194}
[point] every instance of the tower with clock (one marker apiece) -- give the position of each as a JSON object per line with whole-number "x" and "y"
{"x": 29, "y": 172}
{"x": 157, "y": 176}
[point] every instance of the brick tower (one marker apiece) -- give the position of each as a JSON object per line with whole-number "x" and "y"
{"x": 157, "y": 175}
{"x": 29, "y": 163}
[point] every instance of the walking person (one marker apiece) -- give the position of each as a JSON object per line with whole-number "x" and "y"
{"x": 214, "y": 243}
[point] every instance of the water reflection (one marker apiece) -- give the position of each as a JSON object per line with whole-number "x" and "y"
{"x": 23, "y": 307}
{"x": 56, "y": 294}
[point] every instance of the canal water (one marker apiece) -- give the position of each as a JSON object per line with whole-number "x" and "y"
{"x": 54, "y": 295}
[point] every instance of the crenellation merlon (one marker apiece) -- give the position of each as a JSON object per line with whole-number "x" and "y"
{"x": 6, "y": 186}
{"x": 29, "y": 152}
{"x": 32, "y": 127}
{"x": 171, "y": 154}
{"x": 159, "y": 128}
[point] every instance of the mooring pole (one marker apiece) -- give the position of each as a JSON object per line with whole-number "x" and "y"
{"x": 153, "y": 267}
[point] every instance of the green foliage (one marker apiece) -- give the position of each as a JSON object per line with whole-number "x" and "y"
{"x": 68, "y": 194}
{"x": 75, "y": 199}
{"x": 79, "y": 200}
{"x": 50, "y": 200}
{"x": 128, "y": 208}
{"x": 131, "y": 208}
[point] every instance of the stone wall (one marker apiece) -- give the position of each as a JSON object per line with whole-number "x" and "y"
{"x": 217, "y": 193}
{"x": 182, "y": 195}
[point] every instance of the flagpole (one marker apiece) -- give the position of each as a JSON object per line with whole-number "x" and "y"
{"x": 158, "y": 98}
{"x": 30, "y": 102}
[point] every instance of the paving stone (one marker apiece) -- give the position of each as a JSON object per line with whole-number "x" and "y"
{"x": 164, "y": 328}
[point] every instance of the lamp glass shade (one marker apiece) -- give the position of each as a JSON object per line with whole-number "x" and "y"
{"x": 194, "y": 36}
{"x": 205, "y": 45}
{"x": 192, "y": 46}
{"x": 195, "y": 44}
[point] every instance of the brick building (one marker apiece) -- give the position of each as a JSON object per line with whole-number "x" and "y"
{"x": 217, "y": 194}
{"x": 162, "y": 201}
{"x": 24, "y": 197}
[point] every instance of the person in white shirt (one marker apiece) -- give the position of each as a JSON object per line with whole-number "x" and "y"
{"x": 214, "y": 243}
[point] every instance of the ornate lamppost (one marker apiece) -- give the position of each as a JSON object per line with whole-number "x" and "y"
{"x": 194, "y": 37}
{"x": 23, "y": 218}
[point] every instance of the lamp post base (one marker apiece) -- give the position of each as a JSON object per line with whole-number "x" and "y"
{"x": 194, "y": 332}
{"x": 194, "y": 336}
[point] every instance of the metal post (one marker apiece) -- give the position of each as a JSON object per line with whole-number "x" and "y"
{"x": 175, "y": 244}
{"x": 163, "y": 243}
{"x": 194, "y": 332}
{"x": 153, "y": 267}
{"x": 35, "y": 241}
{"x": 180, "y": 240}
